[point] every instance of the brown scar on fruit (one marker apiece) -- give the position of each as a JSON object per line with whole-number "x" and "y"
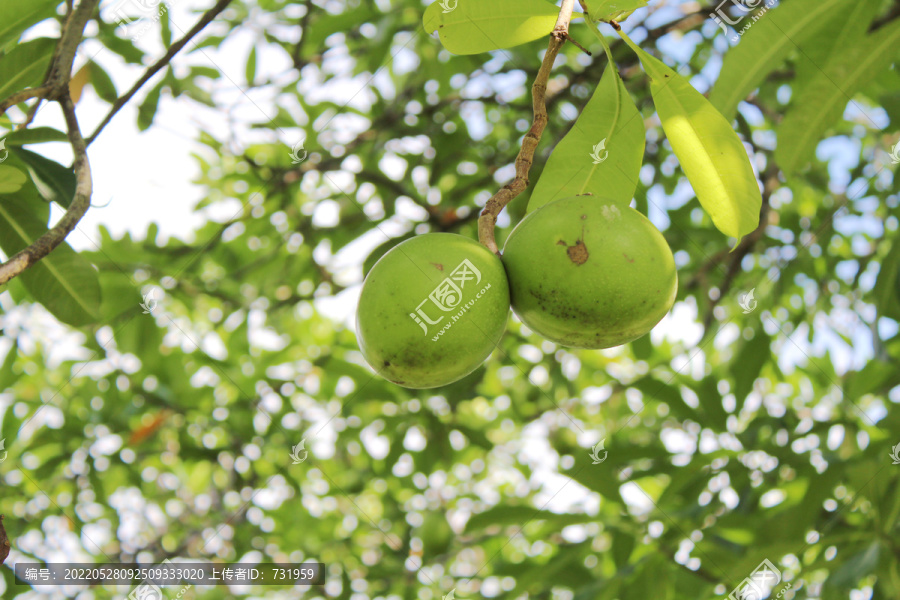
{"x": 438, "y": 266}
{"x": 578, "y": 252}
{"x": 628, "y": 258}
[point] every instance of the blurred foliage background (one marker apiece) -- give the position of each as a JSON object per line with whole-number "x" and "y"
{"x": 733, "y": 436}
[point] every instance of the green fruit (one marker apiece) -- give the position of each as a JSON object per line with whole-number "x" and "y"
{"x": 432, "y": 309}
{"x": 588, "y": 273}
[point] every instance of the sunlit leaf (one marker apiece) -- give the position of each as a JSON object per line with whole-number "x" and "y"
{"x": 473, "y": 26}
{"x": 601, "y": 154}
{"x": 11, "y": 179}
{"x": 710, "y": 152}
{"x": 19, "y": 16}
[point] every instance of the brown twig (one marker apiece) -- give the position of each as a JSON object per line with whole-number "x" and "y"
{"x": 4, "y": 542}
{"x": 22, "y": 96}
{"x": 488, "y": 219}
{"x": 56, "y": 85}
{"x": 153, "y": 69}
{"x": 45, "y": 244}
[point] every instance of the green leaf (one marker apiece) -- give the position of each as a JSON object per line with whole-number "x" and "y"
{"x": 521, "y": 515}
{"x": 11, "y": 179}
{"x": 35, "y": 135}
{"x": 475, "y": 26}
{"x": 19, "y": 16}
{"x": 102, "y": 84}
{"x": 876, "y": 377}
{"x": 165, "y": 23}
{"x": 821, "y": 102}
{"x": 748, "y": 363}
{"x": 250, "y": 68}
{"x": 54, "y": 182}
{"x": 710, "y": 152}
{"x": 62, "y": 281}
{"x": 7, "y": 375}
{"x": 147, "y": 109}
{"x": 615, "y": 10}
{"x": 845, "y": 577}
{"x": 887, "y": 286}
{"x": 610, "y": 119}
{"x": 765, "y": 47}
{"x": 25, "y": 66}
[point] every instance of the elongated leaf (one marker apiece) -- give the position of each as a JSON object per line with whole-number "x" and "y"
{"x": 54, "y": 182}
{"x": 710, "y": 152}
{"x": 19, "y": 16}
{"x": 766, "y": 46}
{"x": 610, "y": 119}
{"x": 841, "y": 28}
{"x": 147, "y": 109}
{"x": 822, "y": 101}
{"x": 35, "y": 135}
{"x": 473, "y": 26}
{"x": 102, "y": 84}
{"x": 11, "y": 179}
{"x": 25, "y": 66}
{"x": 846, "y": 576}
{"x": 604, "y": 10}
{"x": 66, "y": 284}
{"x": 887, "y": 286}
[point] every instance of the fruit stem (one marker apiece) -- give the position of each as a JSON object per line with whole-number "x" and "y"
{"x": 488, "y": 218}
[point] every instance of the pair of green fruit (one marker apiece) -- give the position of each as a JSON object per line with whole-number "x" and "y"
{"x": 582, "y": 272}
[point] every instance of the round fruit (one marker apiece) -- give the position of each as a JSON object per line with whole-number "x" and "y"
{"x": 588, "y": 273}
{"x": 432, "y": 309}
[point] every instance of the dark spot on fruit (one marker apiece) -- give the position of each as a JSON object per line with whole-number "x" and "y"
{"x": 438, "y": 266}
{"x": 583, "y": 217}
{"x": 629, "y": 259}
{"x": 578, "y": 253}
{"x": 387, "y": 363}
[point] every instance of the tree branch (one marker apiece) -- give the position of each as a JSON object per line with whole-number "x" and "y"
{"x": 45, "y": 244}
{"x": 488, "y": 219}
{"x": 153, "y": 69}
{"x": 56, "y": 85}
{"x": 4, "y": 542}
{"x": 22, "y": 96}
